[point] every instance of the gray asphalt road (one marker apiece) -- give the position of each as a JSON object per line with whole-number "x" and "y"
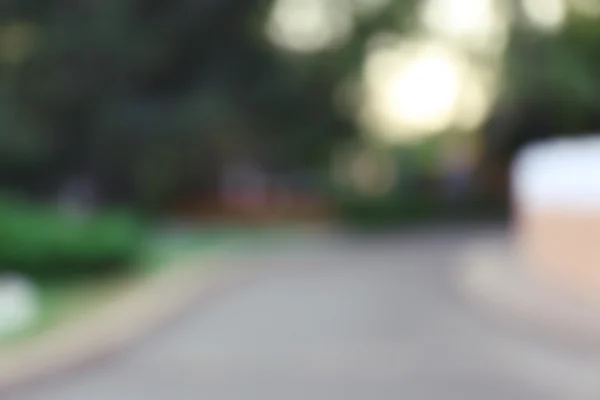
{"x": 339, "y": 317}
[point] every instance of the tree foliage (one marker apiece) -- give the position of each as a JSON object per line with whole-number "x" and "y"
{"x": 152, "y": 96}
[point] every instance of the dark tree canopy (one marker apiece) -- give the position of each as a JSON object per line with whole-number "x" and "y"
{"x": 153, "y": 96}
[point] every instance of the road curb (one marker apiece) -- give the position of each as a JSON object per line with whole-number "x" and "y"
{"x": 128, "y": 317}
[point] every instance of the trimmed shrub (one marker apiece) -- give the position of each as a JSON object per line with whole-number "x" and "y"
{"x": 43, "y": 242}
{"x": 390, "y": 212}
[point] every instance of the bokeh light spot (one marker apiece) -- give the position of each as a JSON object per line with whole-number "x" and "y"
{"x": 478, "y": 24}
{"x": 420, "y": 88}
{"x": 372, "y": 174}
{"x": 546, "y": 15}
{"x": 364, "y": 170}
{"x": 309, "y": 26}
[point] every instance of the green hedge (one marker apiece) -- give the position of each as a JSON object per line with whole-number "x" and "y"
{"x": 390, "y": 212}
{"x": 42, "y": 242}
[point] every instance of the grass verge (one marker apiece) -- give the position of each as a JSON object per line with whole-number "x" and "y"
{"x": 65, "y": 301}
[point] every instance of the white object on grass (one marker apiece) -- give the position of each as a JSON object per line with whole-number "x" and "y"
{"x": 19, "y": 304}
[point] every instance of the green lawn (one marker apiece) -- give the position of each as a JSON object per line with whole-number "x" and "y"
{"x": 62, "y": 301}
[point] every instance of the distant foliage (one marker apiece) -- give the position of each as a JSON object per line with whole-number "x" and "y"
{"x": 152, "y": 97}
{"x": 149, "y": 97}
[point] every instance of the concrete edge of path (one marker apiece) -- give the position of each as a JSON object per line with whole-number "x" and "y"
{"x": 129, "y": 316}
{"x": 491, "y": 280}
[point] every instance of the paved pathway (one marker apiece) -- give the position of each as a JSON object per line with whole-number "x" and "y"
{"x": 339, "y": 317}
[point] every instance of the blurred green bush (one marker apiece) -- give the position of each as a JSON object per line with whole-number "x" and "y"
{"x": 43, "y": 242}
{"x": 392, "y": 211}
